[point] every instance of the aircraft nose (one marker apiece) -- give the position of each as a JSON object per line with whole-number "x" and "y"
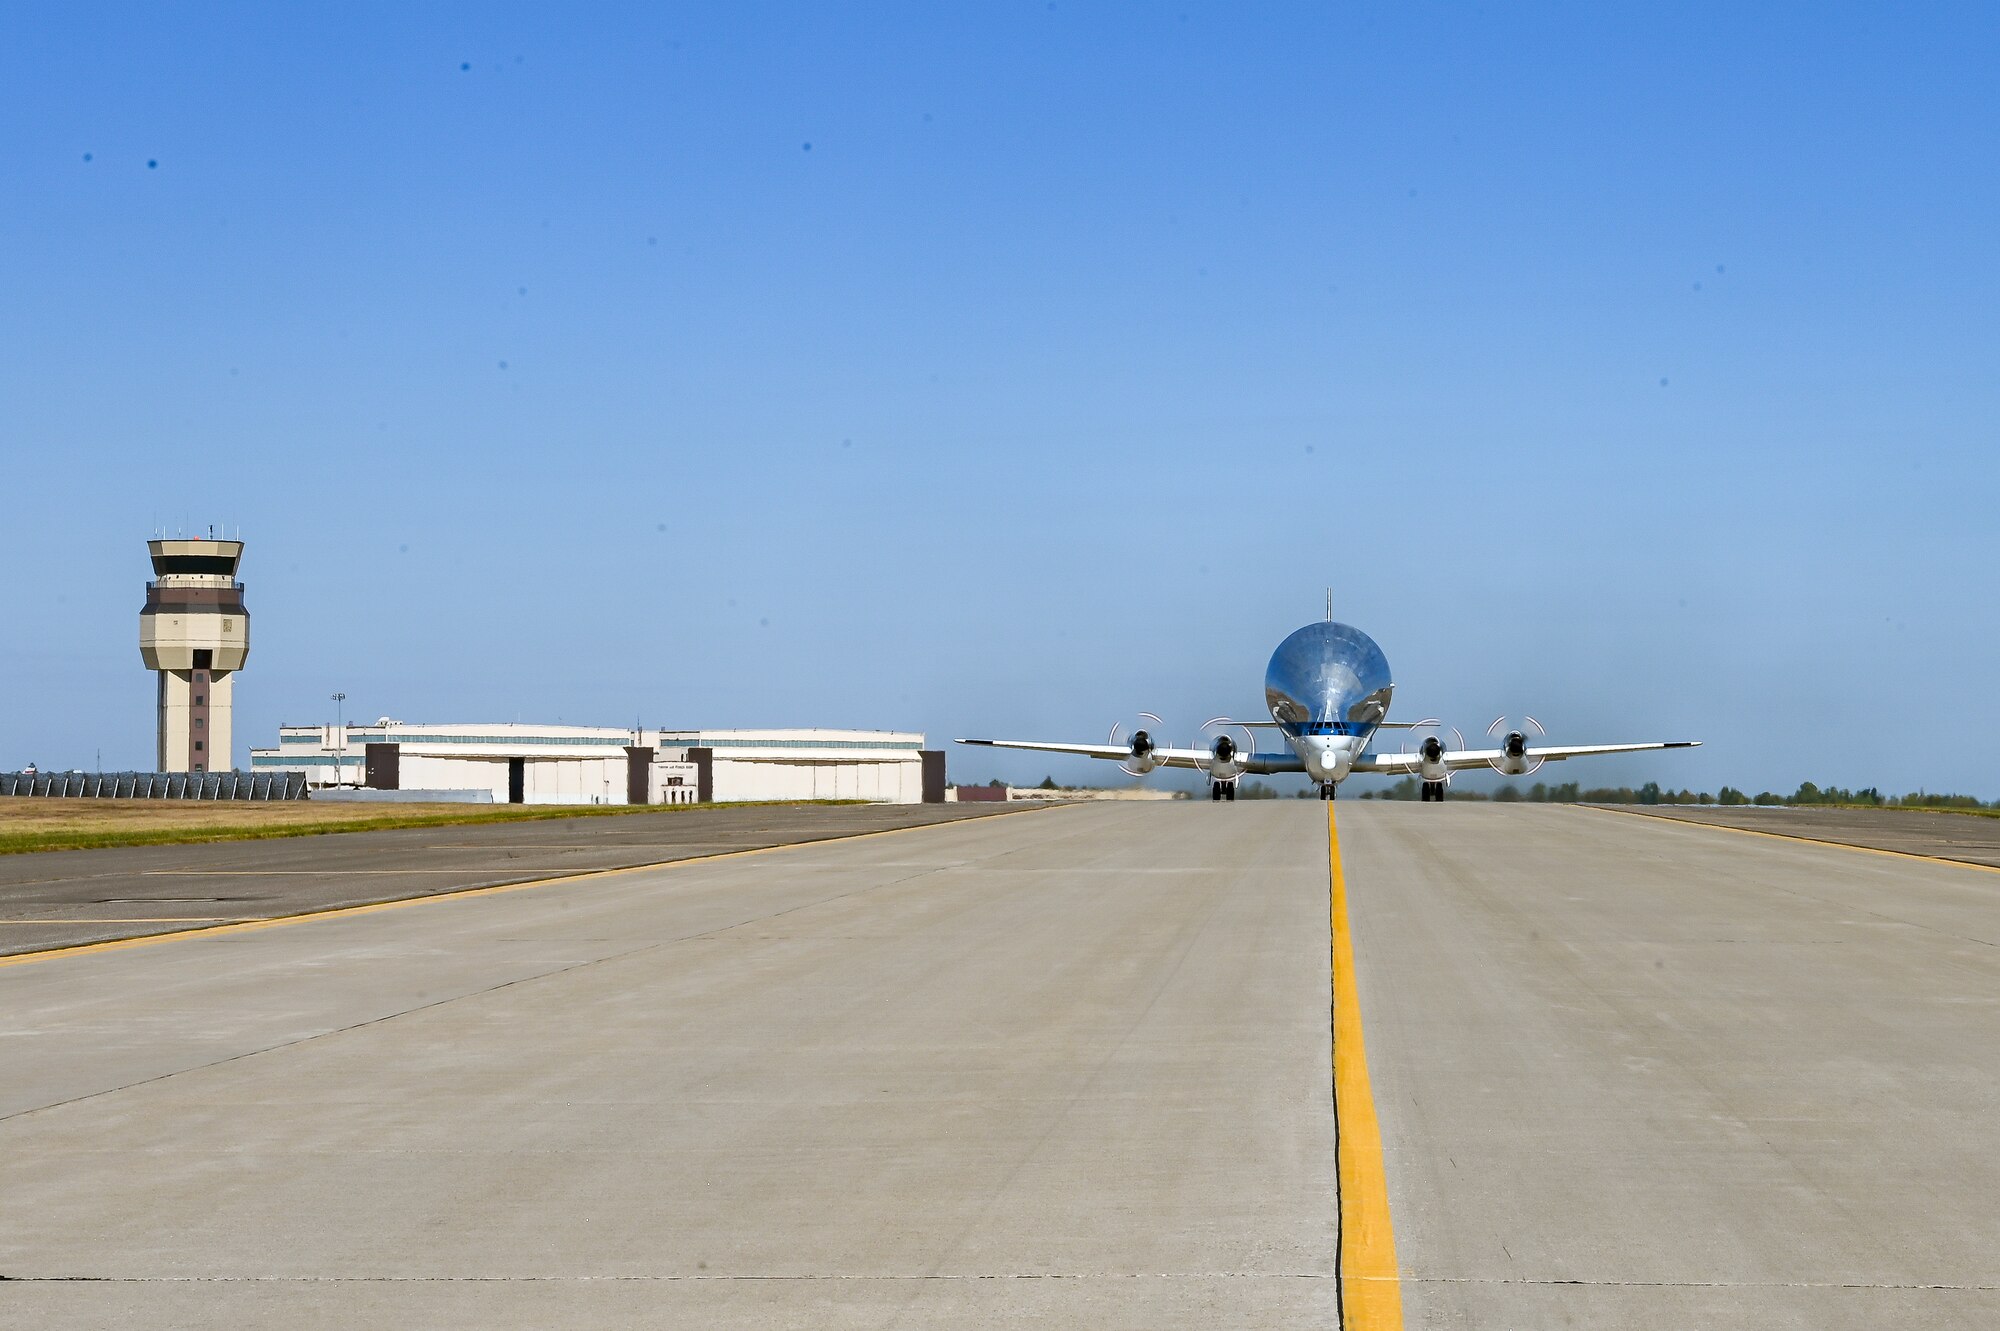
{"x": 1332, "y": 758}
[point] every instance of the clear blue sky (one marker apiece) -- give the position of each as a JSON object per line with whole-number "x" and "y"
{"x": 1009, "y": 368}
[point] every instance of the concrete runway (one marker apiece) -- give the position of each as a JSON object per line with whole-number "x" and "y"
{"x": 1640, "y": 1073}
{"x": 1055, "y": 1069}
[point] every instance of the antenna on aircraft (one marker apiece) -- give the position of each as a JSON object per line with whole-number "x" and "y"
{"x": 1329, "y": 605}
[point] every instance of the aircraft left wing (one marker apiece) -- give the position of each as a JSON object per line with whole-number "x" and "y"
{"x": 1196, "y": 759}
{"x": 1461, "y": 759}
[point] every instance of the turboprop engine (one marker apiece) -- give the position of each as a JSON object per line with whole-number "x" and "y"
{"x": 1141, "y": 748}
{"x": 1228, "y": 754}
{"x": 1514, "y": 759}
{"x": 1433, "y": 754}
{"x": 1225, "y": 759}
{"x": 1430, "y": 756}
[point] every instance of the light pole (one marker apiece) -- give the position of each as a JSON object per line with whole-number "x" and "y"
{"x": 340, "y": 729}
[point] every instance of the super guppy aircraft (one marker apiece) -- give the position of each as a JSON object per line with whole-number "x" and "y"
{"x": 1328, "y": 689}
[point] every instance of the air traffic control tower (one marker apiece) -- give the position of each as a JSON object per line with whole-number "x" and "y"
{"x": 195, "y": 632}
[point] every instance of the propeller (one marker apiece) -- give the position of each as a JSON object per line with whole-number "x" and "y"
{"x": 1141, "y": 746}
{"x": 1431, "y": 748}
{"x": 1218, "y": 737}
{"x": 1513, "y": 743}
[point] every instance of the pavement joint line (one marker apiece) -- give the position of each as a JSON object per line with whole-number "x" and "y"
{"x": 300, "y": 873}
{"x": 1370, "y": 1289}
{"x": 320, "y": 1035}
{"x": 1699, "y": 1284}
{"x": 654, "y": 945}
{"x": 653, "y": 1278}
{"x": 397, "y": 903}
{"x": 1065, "y": 1104}
{"x": 1794, "y": 836}
{"x": 968, "y": 1277}
{"x": 615, "y": 844}
{"x": 144, "y": 919}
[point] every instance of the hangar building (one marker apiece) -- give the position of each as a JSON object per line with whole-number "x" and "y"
{"x": 533, "y": 764}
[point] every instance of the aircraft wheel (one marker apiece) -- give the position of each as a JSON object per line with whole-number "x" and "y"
{"x": 1231, "y": 796}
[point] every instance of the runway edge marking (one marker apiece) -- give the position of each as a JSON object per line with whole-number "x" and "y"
{"x": 1794, "y": 836}
{"x": 1371, "y": 1287}
{"x": 397, "y": 903}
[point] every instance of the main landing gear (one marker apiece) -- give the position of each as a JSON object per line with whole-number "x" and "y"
{"x": 1329, "y": 790}
{"x": 1222, "y": 790}
{"x": 1433, "y": 790}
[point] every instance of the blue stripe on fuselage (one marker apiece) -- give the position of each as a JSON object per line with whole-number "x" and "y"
{"x": 1362, "y": 728}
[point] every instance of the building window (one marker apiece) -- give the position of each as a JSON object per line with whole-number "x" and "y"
{"x": 197, "y": 746}
{"x": 228, "y": 626}
{"x": 201, "y": 700}
{"x": 201, "y": 723}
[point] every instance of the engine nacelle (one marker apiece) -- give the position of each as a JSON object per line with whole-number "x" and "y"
{"x": 1224, "y": 759}
{"x": 1142, "y": 760}
{"x": 1514, "y": 759}
{"x": 1430, "y": 759}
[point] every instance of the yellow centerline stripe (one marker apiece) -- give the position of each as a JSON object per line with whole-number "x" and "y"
{"x": 1371, "y": 1289}
{"x": 373, "y": 907}
{"x": 1794, "y": 836}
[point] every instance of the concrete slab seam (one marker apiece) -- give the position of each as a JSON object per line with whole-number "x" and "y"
{"x": 1370, "y": 1289}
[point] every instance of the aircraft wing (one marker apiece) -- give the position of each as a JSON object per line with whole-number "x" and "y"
{"x": 1197, "y": 759}
{"x": 1459, "y": 760}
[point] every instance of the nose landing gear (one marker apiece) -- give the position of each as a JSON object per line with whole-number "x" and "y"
{"x": 1433, "y": 791}
{"x": 1222, "y": 790}
{"x": 1329, "y": 790}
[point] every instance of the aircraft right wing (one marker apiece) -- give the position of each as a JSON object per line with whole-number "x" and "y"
{"x": 1455, "y": 760}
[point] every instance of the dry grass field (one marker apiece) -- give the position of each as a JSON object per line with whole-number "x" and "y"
{"x": 53, "y": 824}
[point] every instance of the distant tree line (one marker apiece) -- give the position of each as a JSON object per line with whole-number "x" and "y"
{"x": 1571, "y": 792}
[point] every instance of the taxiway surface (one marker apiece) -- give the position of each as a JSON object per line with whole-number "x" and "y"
{"x": 1067, "y": 1068}
{"x": 1970, "y": 837}
{"x": 66, "y": 897}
